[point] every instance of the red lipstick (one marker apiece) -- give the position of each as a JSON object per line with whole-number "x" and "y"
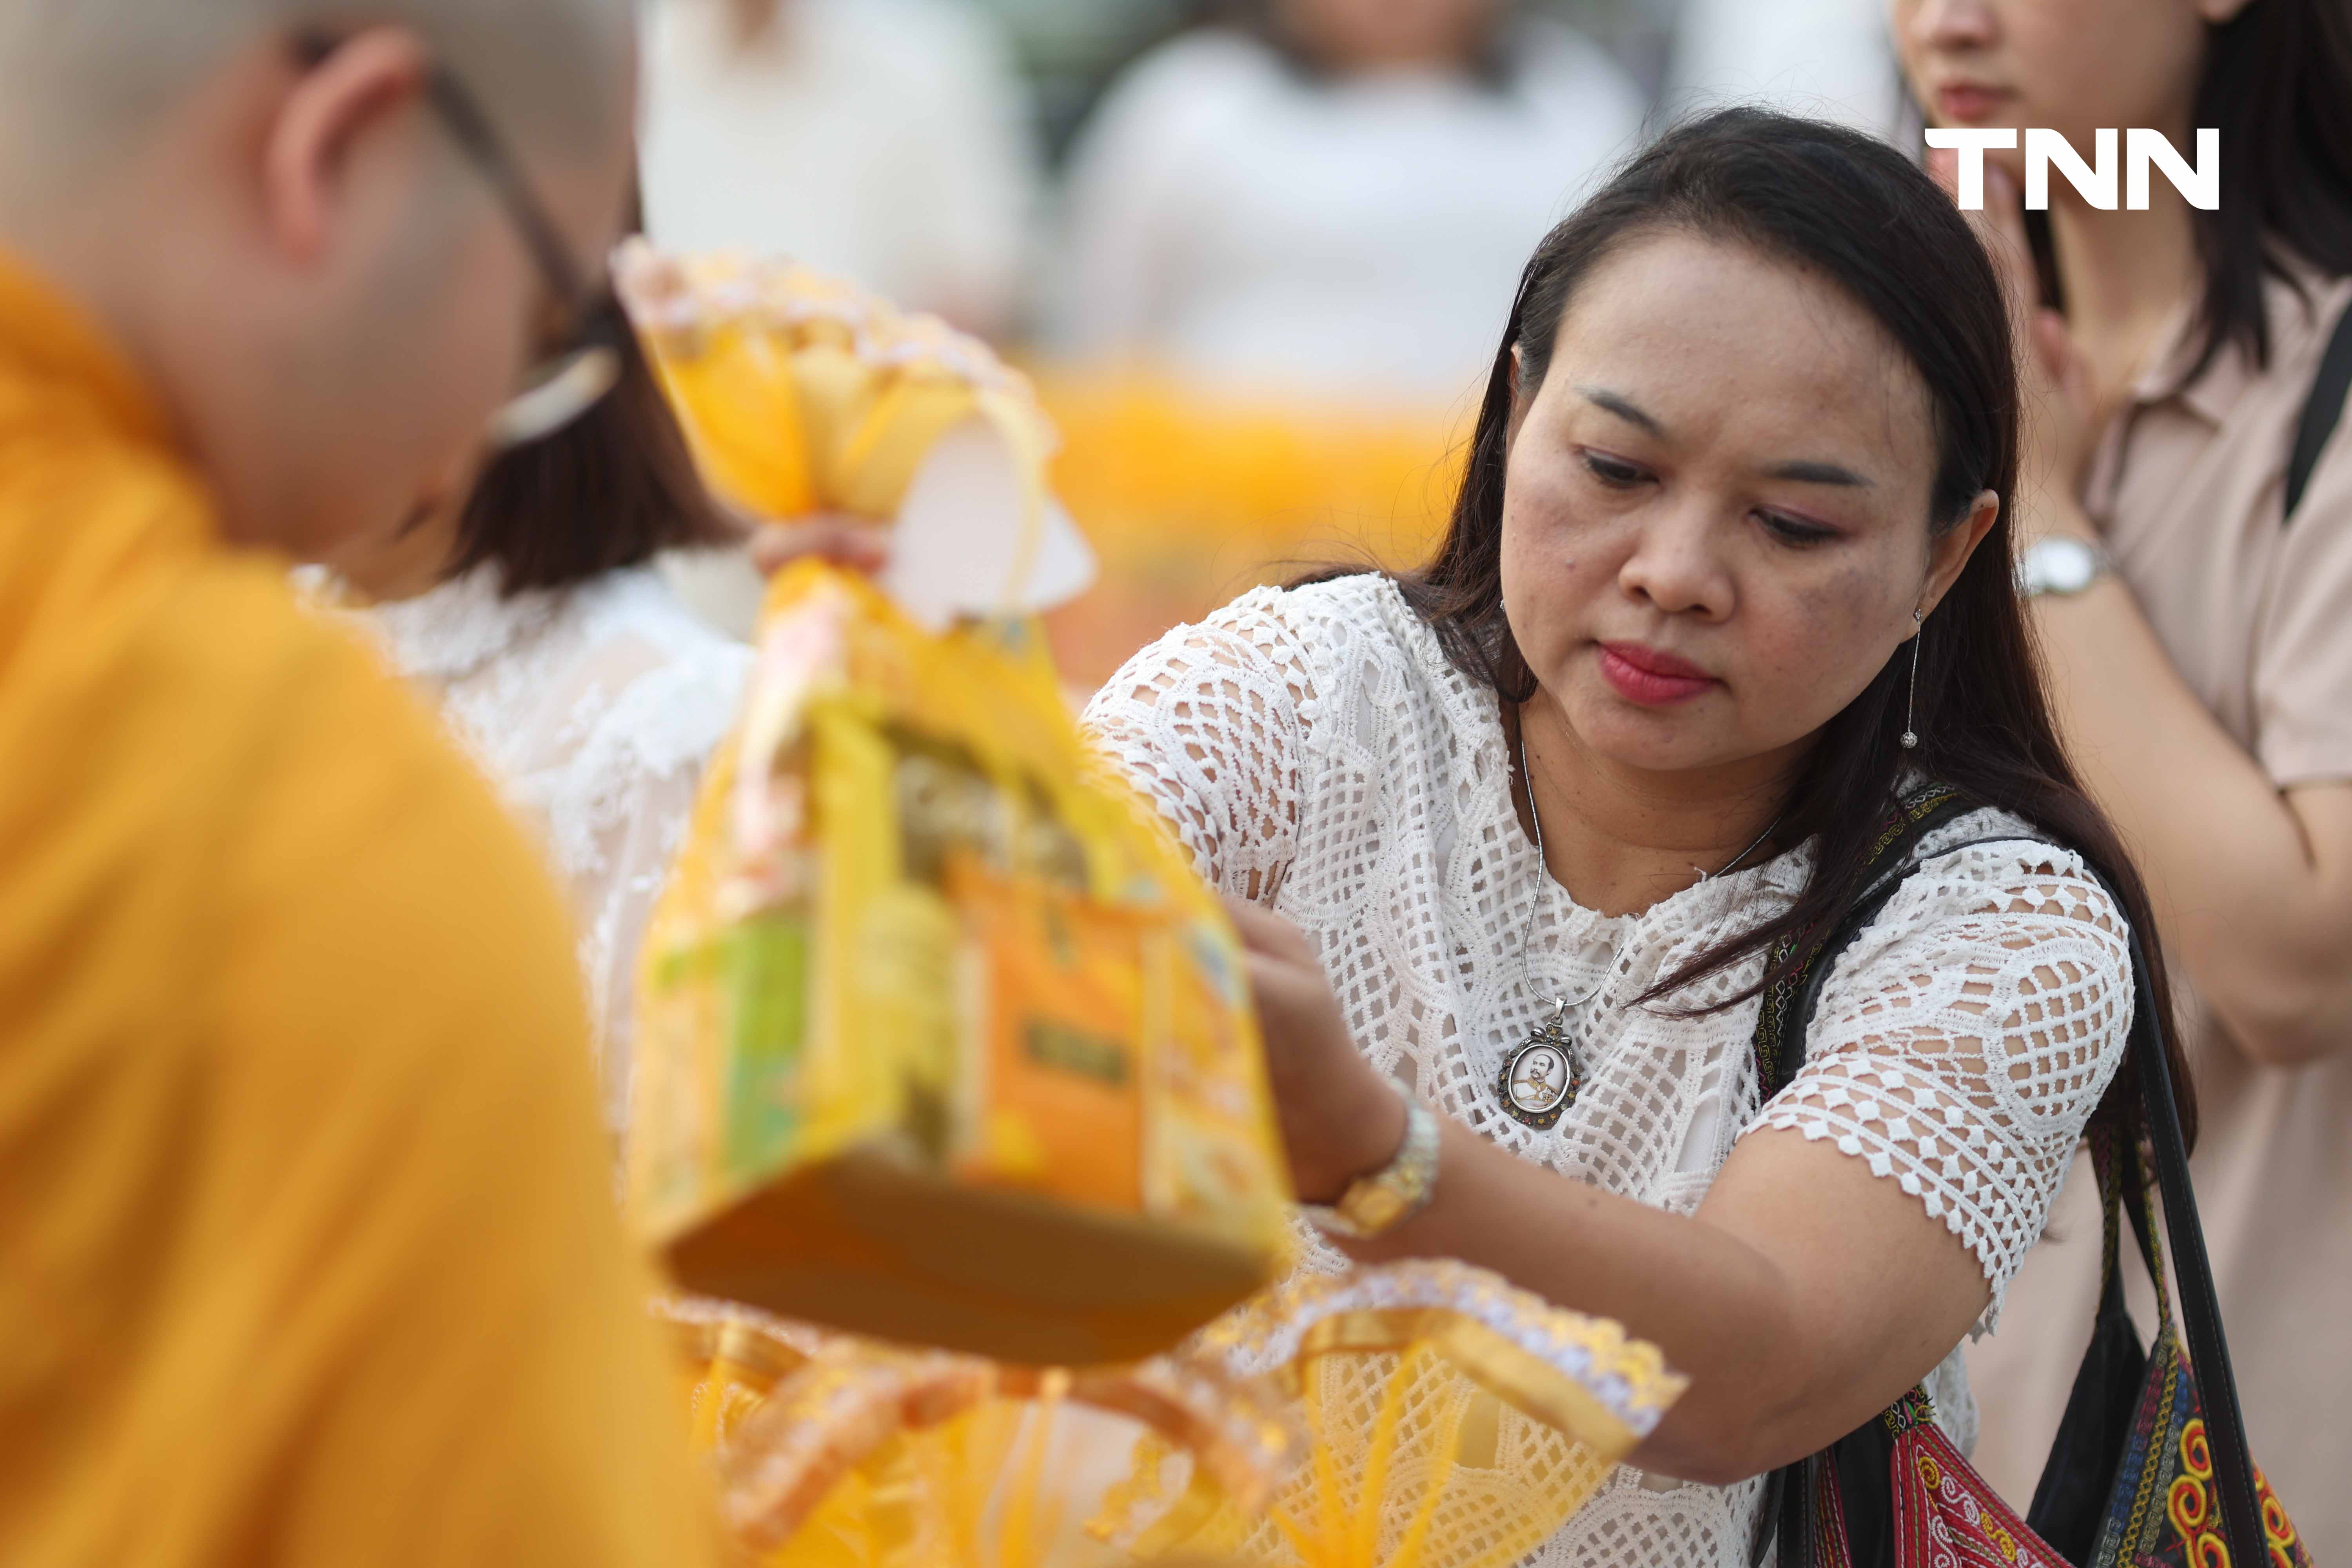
{"x": 1967, "y": 102}
{"x": 1651, "y": 677}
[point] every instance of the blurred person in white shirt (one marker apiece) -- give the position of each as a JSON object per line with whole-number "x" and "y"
{"x": 887, "y": 141}
{"x": 1829, "y": 60}
{"x": 1328, "y": 200}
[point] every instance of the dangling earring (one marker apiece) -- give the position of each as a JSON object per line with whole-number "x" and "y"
{"x": 1911, "y": 703}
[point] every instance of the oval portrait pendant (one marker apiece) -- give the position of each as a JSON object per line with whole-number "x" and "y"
{"x": 1540, "y": 1078}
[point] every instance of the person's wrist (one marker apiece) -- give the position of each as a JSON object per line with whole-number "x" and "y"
{"x": 2062, "y": 566}
{"x": 1403, "y": 1185}
{"x": 1360, "y": 1136}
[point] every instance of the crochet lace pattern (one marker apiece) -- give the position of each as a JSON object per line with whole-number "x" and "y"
{"x": 1318, "y": 755}
{"x": 592, "y": 708}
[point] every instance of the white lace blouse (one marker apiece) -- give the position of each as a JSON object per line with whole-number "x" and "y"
{"x": 1318, "y": 755}
{"x": 592, "y": 709}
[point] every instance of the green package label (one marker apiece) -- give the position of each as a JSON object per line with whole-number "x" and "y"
{"x": 767, "y": 977}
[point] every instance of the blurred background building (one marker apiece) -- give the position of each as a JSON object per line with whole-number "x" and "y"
{"x": 1257, "y": 253}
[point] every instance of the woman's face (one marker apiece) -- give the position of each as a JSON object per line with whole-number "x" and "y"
{"x": 2070, "y": 66}
{"x": 1367, "y": 35}
{"x": 1714, "y": 517}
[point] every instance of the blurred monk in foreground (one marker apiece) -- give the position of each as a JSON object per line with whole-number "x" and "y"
{"x": 309, "y": 1242}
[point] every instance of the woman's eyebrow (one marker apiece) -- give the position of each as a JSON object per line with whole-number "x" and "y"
{"x": 1804, "y": 470}
{"x": 1817, "y": 473}
{"x": 1624, "y": 407}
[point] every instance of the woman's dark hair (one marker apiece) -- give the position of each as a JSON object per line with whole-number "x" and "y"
{"x": 2277, "y": 84}
{"x": 1852, "y": 211}
{"x": 610, "y": 490}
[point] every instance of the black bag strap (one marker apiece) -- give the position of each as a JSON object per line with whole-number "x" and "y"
{"x": 1781, "y": 1031}
{"x": 1789, "y": 1513}
{"x": 1787, "y": 1003}
{"x": 2123, "y": 1185}
{"x": 2200, "y": 1304}
{"x": 2078, "y": 1479}
{"x": 2321, "y": 411}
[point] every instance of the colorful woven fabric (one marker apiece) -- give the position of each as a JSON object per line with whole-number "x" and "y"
{"x": 2164, "y": 1511}
{"x": 1946, "y": 1513}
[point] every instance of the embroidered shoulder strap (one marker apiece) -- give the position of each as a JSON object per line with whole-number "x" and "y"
{"x": 1788, "y": 1004}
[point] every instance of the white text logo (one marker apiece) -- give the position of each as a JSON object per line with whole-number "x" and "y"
{"x": 2095, "y": 181}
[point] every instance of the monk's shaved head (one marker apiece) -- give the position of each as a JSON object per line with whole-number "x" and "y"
{"x": 79, "y": 78}
{"x": 327, "y": 278}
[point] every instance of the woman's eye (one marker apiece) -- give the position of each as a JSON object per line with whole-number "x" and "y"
{"x": 1788, "y": 531}
{"x": 1614, "y": 472}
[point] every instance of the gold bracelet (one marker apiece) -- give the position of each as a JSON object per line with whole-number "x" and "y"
{"x": 1393, "y": 1194}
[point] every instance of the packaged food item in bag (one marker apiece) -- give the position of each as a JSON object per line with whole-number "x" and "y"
{"x": 940, "y": 1038}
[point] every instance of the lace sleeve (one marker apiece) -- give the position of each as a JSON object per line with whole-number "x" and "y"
{"x": 1207, "y": 722}
{"x": 1963, "y": 1041}
{"x": 616, "y": 795}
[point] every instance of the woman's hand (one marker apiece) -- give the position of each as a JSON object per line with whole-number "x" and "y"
{"x": 2054, "y": 384}
{"x": 844, "y": 542}
{"x": 1340, "y": 1119}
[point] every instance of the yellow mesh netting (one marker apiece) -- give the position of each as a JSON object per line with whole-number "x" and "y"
{"x": 1420, "y": 1416}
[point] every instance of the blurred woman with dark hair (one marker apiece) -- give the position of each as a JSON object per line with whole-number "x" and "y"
{"x": 532, "y": 613}
{"x": 1324, "y": 199}
{"x": 2200, "y": 634}
{"x": 1284, "y": 238}
{"x": 887, "y": 141}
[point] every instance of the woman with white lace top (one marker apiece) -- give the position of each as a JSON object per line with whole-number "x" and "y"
{"x": 532, "y": 614}
{"x": 1740, "y": 482}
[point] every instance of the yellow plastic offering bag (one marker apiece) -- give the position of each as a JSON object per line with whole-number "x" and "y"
{"x": 1420, "y": 1415}
{"x": 939, "y": 1038}
{"x": 868, "y": 1456}
{"x": 1451, "y": 1421}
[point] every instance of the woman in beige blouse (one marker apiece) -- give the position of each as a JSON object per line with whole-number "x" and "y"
{"x": 2200, "y": 642}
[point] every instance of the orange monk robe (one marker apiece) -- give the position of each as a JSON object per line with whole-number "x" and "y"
{"x": 307, "y": 1253}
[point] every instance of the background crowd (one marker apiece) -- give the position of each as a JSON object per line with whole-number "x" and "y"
{"x": 1257, "y": 251}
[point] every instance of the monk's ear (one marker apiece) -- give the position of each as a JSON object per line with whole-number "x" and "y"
{"x": 336, "y": 102}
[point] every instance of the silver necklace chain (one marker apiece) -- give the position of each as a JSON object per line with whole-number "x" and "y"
{"x": 1543, "y": 868}
{"x": 1542, "y": 1077}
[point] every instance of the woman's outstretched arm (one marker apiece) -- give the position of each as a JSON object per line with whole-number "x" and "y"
{"x": 1868, "y": 1216}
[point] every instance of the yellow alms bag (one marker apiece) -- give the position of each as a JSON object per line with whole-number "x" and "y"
{"x": 940, "y": 1038}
